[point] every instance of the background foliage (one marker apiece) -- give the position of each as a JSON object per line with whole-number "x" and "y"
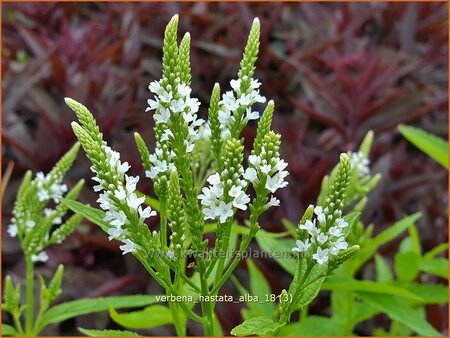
{"x": 335, "y": 71}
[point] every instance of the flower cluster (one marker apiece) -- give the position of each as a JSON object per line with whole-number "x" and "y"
{"x": 360, "y": 162}
{"x": 176, "y": 100}
{"x": 236, "y": 99}
{"x": 323, "y": 241}
{"x": 48, "y": 190}
{"x": 113, "y": 196}
{"x": 214, "y": 200}
{"x": 269, "y": 168}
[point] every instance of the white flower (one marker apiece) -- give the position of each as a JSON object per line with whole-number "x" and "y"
{"x": 120, "y": 193}
{"x": 241, "y": 200}
{"x": 155, "y": 87}
{"x": 214, "y": 179}
{"x": 250, "y": 175}
{"x": 274, "y": 202}
{"x": 209, "y": 213}
{"x": 276, "y": 182}
{"x": 162, "y": 115}
{"x": 129, "y": 246}
{"x": 165, "y": 96}
{"x": 43, "y": 195}
{"x": 265, "y": 169}
{"x": 245, "y": 100}
{"x": 40, "y": 257}
{"x": 104, "y": 201}
{"x": 13, "y": 230}
{"x": 122, "y": 168}
{"x": 184, "y": 90}
{"x": 322, "y": 238}
{"x": 310, "y": 227}
{"x": 255, "y": 161}
{"x": 281, "y": 165}
{"x": 236, "y": 85}
{"x": 131, "y": 183}
{"x": 134, "y": 202}
{"x": 153, "y": 104}
{"x": 339, "y": 244}
{"x": 116, "y": 218}
{"x": 178, "y": 106}
{"x": 321, "y": 256}
{"x": 341, "y": 223}
{"x": 29, "y": 224}
{"x": 224, "y": 211}
{"x": 251, "y": 115}
{"x": 145, "y": 213}
{"x": 335, "y": 231}
{"x": 171, "y": 254}
{"x": 114, "y": 233}
{"x": 301, "y": 246}
{"x": 360, "y": 162}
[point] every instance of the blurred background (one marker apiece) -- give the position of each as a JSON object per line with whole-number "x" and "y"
{"x": 335, "y": 71}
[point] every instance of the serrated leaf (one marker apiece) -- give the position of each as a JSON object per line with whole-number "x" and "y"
{"x": 94, "y": 215}
{"x": 79, "y": 307}
{"x": 260, "y": 326}
{"x": 8, "y": 330}
{"x": 398, "y": 311}
{"x": 370, "y": 287}
{"x": 107, "y": 333}
{"x": 431, "y": 145}
{"x": 151, "y": 316}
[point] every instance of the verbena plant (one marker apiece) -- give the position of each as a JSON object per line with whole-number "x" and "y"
{"x": 197, "y": 169}
{"x": 353, "y": 301}
{"x": 40, "y": 220}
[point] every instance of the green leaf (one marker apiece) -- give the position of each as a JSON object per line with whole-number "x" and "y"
{"x": 80, "y": 307}
{"x": 259, "y": 287}
{"x": 313, "y": 326}
{"x": 436, "y": 251}
{"x": 93, "y": 214}
{"x": 371, "y": 246}
{"x": 383, "y": 270}
{"x": 398, "y": 311}
{"x": 280, "y": 250}
{"x": 431, "y": 145}
{"x": 407, "y": 265}
{"x": 8, "y": 330}
{"x": 435, "y": 266}
{"x": 370, "y": 287}
{"x": 431, "y": 294}
{"x": 260, "y": 326}
{"x": 107, "y": 333}
{"x": 151, "y": 316}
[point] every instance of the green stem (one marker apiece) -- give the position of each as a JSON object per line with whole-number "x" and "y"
{"x": 30, "y": 295}
{"x": 223, "y": 247}
{"x": 18, "y": 325}
{"x": 206, "y": 309}
{"x": 242, "y": 248}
